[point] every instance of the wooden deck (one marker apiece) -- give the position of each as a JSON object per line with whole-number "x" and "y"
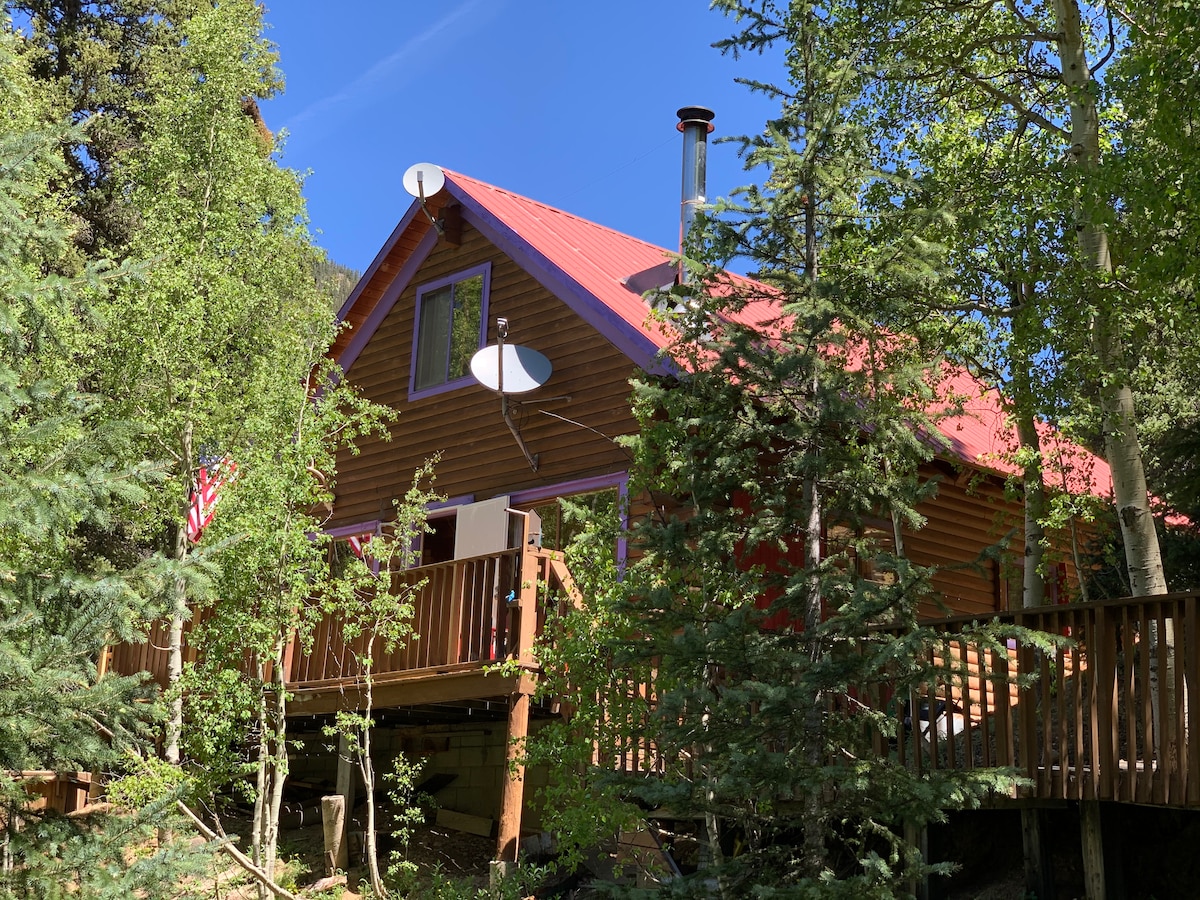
{"x": 468, "y": 617}
{"x": 1088, "y": 727}
{"x": 1081, "y": 723}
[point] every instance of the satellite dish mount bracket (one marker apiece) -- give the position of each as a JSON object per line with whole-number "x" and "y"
{"x": 501, "y": 334}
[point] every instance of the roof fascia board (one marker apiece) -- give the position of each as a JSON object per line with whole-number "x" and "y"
{"x": 639, "y": 348}
{"x": 367, "y": 330}
{"x": 378, "y": 261}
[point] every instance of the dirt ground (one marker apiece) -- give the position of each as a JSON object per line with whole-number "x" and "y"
{"x": 448, "y": 853}
{"x": 1153, "y": 851}
{"x": 453, "y": 854}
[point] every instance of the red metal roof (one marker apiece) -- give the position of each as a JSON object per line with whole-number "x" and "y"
{"x": 613, "y": 268}
{"x": 607, "y": 264}
{"x": 602, "y": 274}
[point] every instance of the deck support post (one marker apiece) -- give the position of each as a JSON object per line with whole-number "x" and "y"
{"x": 512, "y": 799}
{"x": 1092, "y": 837}
{"x": 345, "y": 785}
{"x": 346, "y": 765}
{"x": 1039, "y": 867}
{"x": 918, "y": 836}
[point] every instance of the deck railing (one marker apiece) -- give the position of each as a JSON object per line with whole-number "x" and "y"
{"x": 1105, "y": 718}
{"x": 467, "y": 613}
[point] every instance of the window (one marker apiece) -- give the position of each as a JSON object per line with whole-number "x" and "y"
{"x": 862, "y": 550}
{"x": 599, "y": 495}
{"x": 351, "y": 542}
{"x": 450, "y": 318}
{"x": 559, "y": 528}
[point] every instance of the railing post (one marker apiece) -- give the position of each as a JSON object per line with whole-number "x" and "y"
{"x": 1190, "y": 666}
{"x": 454, "y": 623}
{"x": 1102, "y": 687}
{"x": 527, "y": 592}
{"x": 1002, "y": 690}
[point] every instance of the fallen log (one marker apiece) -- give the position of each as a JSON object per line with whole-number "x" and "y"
{"x": 238, "y": 856}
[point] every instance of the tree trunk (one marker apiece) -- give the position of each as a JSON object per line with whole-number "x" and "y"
{"x": 814, "y": 854}
{"x": 1142, "y": 555}
{"x": 1121, "y": 445}
{"x": 1033, "y": 587}
{"x": 277, "y": 728}
{"x": 262, "y": 788}
{"x": 367, "y": 769}
{"x": 178, "y": 614}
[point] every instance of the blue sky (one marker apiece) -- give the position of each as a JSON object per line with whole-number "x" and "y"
{"x": 570, "y": 102}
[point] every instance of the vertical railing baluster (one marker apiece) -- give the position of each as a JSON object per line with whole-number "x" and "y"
{"x": 1189, "y": 662}
{"x": 1164, "y": 753}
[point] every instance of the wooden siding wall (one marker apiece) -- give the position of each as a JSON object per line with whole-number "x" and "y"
{"x": 968, "y": 515}
{"x": 479, "y": 455}
{"x": 960, "y": 522}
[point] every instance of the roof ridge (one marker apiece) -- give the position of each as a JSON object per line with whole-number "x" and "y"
{"x": 555, "y": 209}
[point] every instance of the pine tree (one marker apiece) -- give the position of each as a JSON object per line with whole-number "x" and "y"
{"x": 69, "y": 584}
{"x": 743, "y": 655}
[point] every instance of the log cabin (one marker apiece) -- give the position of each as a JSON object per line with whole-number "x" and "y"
{"x": 472, "y": 266}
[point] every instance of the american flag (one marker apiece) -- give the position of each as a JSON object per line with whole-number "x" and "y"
{"x": 206, "y": 492}
{"x": 358, "y": 543}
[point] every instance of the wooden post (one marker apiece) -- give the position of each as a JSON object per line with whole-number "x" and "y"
{"x": 346, "y": 770}
{"x": 333, "y": 823}
{"x": 1093, "y": 850}
{"x": 345, "y": 787}
{"x": 1039, "y": 868}
{"x": 918, "y": 836}
{"x": 289, "y": 659}
{"x": 512, "y": 798}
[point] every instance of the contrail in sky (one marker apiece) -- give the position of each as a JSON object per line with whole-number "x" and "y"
{"x": 359, "y": 89}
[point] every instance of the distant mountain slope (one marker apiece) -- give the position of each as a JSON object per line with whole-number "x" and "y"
{"x": 335, "y": 281}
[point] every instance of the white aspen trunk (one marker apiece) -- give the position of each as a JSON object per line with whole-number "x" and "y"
{"x": 1116, "y": 398}
{"x": 178, "y": 614}
{"x": 367, "y": 769}
{"x": 712, "y": 821}
{"x": 814, "y": 854}
{"x": 1033, "y": 588}
{"x": 262, "y": 787}
{"x": 1142, "y": 555}
{"x": 277, "y": 728}
{"x": 1025, "y": 321}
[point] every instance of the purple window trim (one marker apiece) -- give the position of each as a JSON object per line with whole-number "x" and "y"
{"x": 399, "y": 284}
{"x": 619, "y": 480}
{"x": 344, "y": 532}
{"x": 566, "y": 488}
{"x": 485, "y": 269}
{"x": 446, "y": 507}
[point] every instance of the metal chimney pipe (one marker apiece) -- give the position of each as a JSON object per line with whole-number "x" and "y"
{"x": 696, "y": 123}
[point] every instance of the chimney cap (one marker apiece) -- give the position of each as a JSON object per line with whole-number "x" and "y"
{"x": 695, "y": 115}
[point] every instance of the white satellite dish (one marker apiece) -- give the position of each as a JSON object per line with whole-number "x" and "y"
{"x": 523, "y": 369}
{"x": 424, "y": 180}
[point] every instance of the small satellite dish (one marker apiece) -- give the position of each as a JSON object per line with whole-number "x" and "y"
{"x": 424, "y": 180}
{"x": 524, "y": 368}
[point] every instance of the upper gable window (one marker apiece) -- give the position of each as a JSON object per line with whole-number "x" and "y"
{"x": 451, "y": 313}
